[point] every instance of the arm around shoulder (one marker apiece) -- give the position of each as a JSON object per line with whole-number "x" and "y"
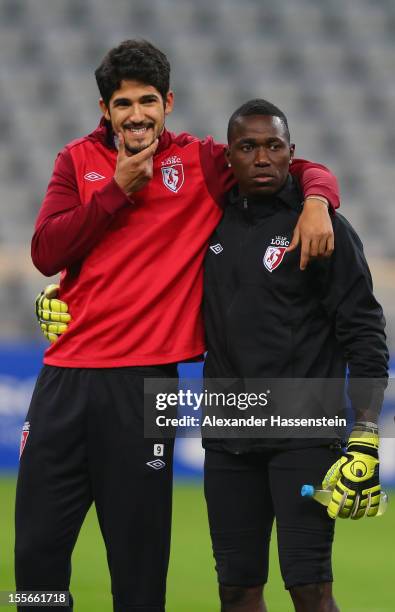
{"x": 316, "y": 180}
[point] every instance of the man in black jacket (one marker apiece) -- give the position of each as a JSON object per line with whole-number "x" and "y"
{"x": 265, "y": 318}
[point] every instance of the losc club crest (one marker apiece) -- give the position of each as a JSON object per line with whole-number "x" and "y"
{"x": 273, "y": 257}
{"x": 173, "y": 173}
{"x": 24, "y": 437}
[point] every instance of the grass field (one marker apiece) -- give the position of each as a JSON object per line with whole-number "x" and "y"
{"x": 364, "y": 561}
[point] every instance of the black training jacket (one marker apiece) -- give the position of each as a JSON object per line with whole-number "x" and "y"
{"x": 265, "y": 318}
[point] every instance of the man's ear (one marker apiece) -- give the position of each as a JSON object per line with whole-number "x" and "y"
{"x": 104, "y": 109}
{"x": 292, "y": 152}
{"x": 227, "y": 156}
{"x": 169, "y": 102}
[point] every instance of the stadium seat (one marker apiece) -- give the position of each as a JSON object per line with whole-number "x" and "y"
{"x": 330, "y": 65}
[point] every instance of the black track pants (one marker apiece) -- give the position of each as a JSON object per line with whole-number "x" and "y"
{"x": 86, "y": 444}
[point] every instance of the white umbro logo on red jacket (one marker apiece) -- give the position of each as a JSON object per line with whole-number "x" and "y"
{"x": 94, "y": 176}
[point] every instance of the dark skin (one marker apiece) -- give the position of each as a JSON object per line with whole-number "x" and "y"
{"x": 306, "y": 598}
{"x": 260, "y": 155}
{"x": 242, "y": 599}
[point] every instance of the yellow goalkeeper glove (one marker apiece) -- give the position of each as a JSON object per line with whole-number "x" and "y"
{"x": 354, "y": 478}
{"x": 52, "y": 314}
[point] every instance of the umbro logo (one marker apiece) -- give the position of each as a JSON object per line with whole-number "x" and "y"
{"x": 157, "y": 464}
{"x": 216, "y": 248}
{"x": 94, "y": 176}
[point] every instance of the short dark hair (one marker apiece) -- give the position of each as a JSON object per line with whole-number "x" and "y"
{"x": 133, "y": 60}
{"x": 258, "y": 106}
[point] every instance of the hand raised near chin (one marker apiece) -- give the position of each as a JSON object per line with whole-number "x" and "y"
{"x": 133, "y": 172}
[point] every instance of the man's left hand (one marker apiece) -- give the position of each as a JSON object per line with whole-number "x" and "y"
{"x": 314, "y": 230}
{"x": 52, "y": 314}
{"x": 354, "y": 478}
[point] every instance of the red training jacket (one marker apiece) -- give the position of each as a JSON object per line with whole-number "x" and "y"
{"x": 131, "y": 269}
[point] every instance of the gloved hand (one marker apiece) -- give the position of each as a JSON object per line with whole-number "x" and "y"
{"x": 52, "y": 313}
{"x": 354, "y": 478}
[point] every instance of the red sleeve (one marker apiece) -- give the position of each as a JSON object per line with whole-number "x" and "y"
{"x": 219, "y": 177}
{"x": 316, "y": 179}
{"x": 65, "y": 230}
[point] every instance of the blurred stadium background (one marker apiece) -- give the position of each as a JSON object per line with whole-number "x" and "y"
{"x": 329, "y": 64}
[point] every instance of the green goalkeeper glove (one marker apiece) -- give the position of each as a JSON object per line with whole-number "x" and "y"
{"x": 52, "y": 313}
{"x": 354, "y": 478}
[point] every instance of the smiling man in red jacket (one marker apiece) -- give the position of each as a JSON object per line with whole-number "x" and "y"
{"x": 126, "y": 221}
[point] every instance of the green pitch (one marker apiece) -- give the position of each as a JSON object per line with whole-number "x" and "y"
{"x": 364, "y": 561}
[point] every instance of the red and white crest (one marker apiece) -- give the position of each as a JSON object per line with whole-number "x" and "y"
{"x": 273, "y": 257}
{"x": 173, "y": 176}
{"x": 24, "y": 437}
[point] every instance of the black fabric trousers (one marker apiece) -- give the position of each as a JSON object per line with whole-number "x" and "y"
{"x": 244, "y": 494}
{"x": 86, "y": 444}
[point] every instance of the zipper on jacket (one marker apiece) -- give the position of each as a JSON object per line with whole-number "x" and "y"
{"x": 238, "y": 273}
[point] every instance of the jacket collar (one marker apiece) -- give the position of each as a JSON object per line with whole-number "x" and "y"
{"x": 262, "y": 206}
